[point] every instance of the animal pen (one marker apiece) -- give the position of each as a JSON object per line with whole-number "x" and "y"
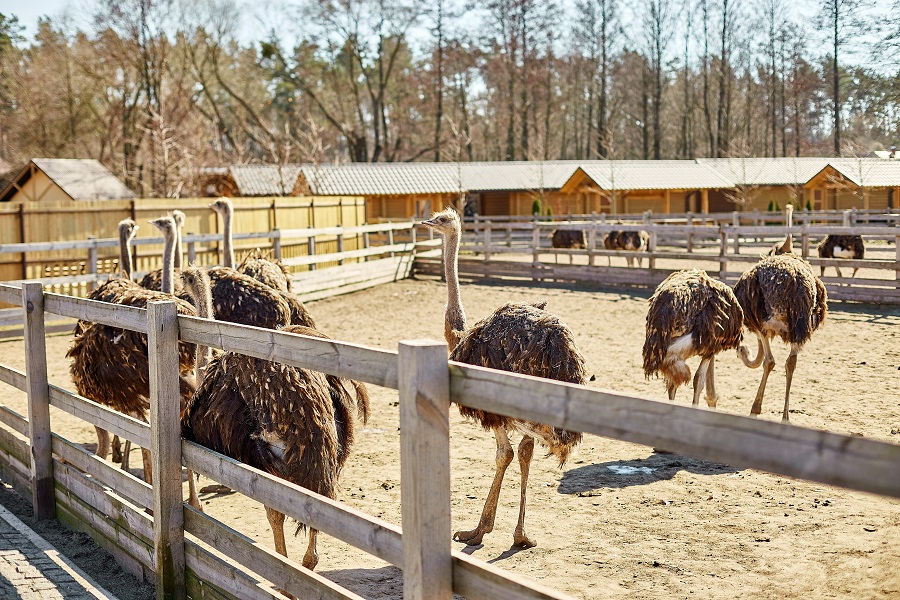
{"x": 189, "y": 553}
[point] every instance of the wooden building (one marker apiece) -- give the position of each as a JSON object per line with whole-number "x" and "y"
{"x": 64, "y": 179}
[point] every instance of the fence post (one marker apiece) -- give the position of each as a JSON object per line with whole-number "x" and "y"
{"x": 847, "y": 220}
{"x": 192, "y": 251}
{"x": 391, "y": 237}
{"x": 366, "y": 243}
{"x": 651, "y": 261}
{"x": 487, "y": 240}
{"x": 340, "y": 247}
{"x": 536, "y": 248}
{"x": 42, "y": 493}
{"x": 276, "y": 242}
{"x": 424, "y": 379}
{"x": 736, "y": 222}
{"x": 592, "y": 242}
{"x": 24, "y": 258}
{"x": 804, "y": 241}
{"x": 723, "y": 252}
{"x": 165, "y": 433}
{"x": 311, "y": 250}
{"x": 412, "y": 238}
{"x": 690, "y": 236}
{"x": 92, "y": 263}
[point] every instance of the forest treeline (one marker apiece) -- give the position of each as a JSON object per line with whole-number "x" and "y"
{"x": 158, "y": 89}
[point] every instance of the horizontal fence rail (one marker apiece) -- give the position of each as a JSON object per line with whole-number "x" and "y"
{"x": 90, "y": 493}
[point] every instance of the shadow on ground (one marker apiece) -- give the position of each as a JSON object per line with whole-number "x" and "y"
{"x": 581, "y": 481}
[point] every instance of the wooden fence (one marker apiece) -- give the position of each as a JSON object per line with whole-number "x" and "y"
{"x": 78, "y": 221}
{"x": 522, "y": 251}
{"x": 188, "y": 552}
{"x": 380, "y": 253}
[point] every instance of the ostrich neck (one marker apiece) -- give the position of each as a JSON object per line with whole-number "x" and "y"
{"x": 204, "y": 311}
{"x": 455, "y": 318}
{"x": 228, "y": 259}
{"x": 168, "y": 269}
{"x": 125, "y": 253}
{"x": 178, "y": 253}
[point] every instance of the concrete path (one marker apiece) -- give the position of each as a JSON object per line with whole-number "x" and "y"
{"x": 32, "y": 569}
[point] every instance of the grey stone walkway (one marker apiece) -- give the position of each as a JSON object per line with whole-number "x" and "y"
{"x": 32, "y": 569}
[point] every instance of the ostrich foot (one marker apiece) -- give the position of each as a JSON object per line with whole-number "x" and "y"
{"x": 471, "y": 538}
{"x": 520, "y": 540}
{"x": 116, "y": 450}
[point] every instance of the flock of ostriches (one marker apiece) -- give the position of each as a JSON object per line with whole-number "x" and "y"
{"x": 299, "y": 424}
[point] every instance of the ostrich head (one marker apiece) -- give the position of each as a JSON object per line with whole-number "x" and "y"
{"x": 166, "y": 225}
{"x": 127, "y": 229}
{"x": 445, "y": 222}
{"x": 222, "y": 206}
{"x": 179, "y": 218}
{"x": 196, "y": 284}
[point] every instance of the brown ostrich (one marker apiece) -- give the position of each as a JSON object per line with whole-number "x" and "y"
{"x": 568, "y": 238}
{"x": 517, "y": 337}
{"x": 292, "y": 423}
{"x": 630, "y": 241}
{"x": 842, "y": 246}
{"x": 690, "y": 314}
{"x": 152, "y": 280}
{"x": 110, "y": 365}
{"x": 780, "y": 297}
{"x": 270, "y": 272}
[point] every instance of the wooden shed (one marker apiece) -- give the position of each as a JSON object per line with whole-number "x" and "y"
{"x": 61, "y": 179}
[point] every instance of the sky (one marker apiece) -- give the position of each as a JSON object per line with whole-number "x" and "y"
{"x": 264, "y": 14}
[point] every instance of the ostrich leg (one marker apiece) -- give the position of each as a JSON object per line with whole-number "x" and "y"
{"x": 768, "y": 365}
{"x": 126, "y": 452}
{"x": 102, "y": 443}
{"x": 526, "y": 450}
{"x": 671, "y": 388}
{"x": 700, "y": 378}
{"x": 116, "y": 449}
{"x": 838, "y": 269}
{"x": 486, "y": 524}
{"x": 148, "y": 466}
{"x": 789, "y": 367}
{"x": 711, "y": 397}
{"x": 276, "y": 522}
{"x": 311, "y": 558}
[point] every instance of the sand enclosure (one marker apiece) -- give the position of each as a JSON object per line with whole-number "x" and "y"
{"x": 618, "y": 520}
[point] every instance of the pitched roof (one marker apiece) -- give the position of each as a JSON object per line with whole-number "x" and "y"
{"x": 654, "y": 175}
{"x": 767, "y": 171}
{"x": 265, "y": 180}
{"x": 80, "y": 179}
{"x": 867, "y": 172}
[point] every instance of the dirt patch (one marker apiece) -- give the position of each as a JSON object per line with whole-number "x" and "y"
{"x": 618, "y": 520}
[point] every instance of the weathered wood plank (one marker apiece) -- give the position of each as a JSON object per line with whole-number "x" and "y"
{"x": 226, "y": 575}
{"x": 284, "y": 573}
{"x": 352, "y": 361}
{"x": 116, "y": 315}
{"x": 42, "y": 497}
{"x": 477, "y": 580}
{"x": 372, "y": 535}
{"x": 425, "y": 468}
{"x": 821, "y": 456}
{"x": 165, "y": 439}
{"x": 115, "y": 422}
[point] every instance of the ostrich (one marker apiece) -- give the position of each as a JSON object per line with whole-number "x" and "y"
{"x": 517, "y": 337}
{"x": 110, "y": 365}
{"x": 690, "y": 315}
{"x": 568, "y": 238}
{"x": 152, "y": 280}
{"x": 787, "y": 246}
{"x": 841, "y": 246}
{"x": 631, "y": 241}
{"x": 272, "y": 273}
{"x": 780, "y": 297}
{"x": 292, "y": 423}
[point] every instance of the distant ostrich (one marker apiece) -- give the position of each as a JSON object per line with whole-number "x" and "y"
{"x": 111, "y": 365}
{"x": 690, "y": 315}
{"x": 787, "y": 246}
{"x": 842, "y": 246}
{"x": 780, "y": 297}
{"x": 152, "y": 280}
{"x": 292, "y": 423}
{"x": 568, "y": 238}
{"x": 631, "y": 241}
{"x": 517, "y": 337}
{"x": 273, "y": 273}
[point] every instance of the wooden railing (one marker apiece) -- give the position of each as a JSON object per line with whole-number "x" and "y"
{"x": 716, "y": 248}
{"x": 188, "y": 550}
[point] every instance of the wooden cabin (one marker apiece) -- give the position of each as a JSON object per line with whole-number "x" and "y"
{"x": 64, "y": 179}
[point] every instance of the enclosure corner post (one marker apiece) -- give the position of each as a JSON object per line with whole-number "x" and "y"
{"x": 424, "y": 379}
{"x": 42, "y": 493}
{"x": 165, "y": 424}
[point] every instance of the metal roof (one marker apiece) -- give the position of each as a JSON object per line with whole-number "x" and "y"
{"x": 654, "y": 175}
{"x": 382, "y": 178}
{"x": 767, "y": 171}
{"x": 517, "y": 175}
{"x": 80, "y": 179}
{"x": 867, "y": 172}
{"x": 265, "y": 180}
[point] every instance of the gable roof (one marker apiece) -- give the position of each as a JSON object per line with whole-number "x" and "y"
{"x": 654, "y": 175}
{"x": 80, "y": 179}
{"x": 767, "y": 171}
{"x": 265, "y": 180}
{"x": 867, "y": 172}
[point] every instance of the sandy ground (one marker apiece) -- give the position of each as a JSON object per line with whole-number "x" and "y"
{"x": 673, "y": 527}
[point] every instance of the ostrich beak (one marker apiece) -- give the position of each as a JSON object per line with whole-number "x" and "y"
{"x": 430, "y": 223}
